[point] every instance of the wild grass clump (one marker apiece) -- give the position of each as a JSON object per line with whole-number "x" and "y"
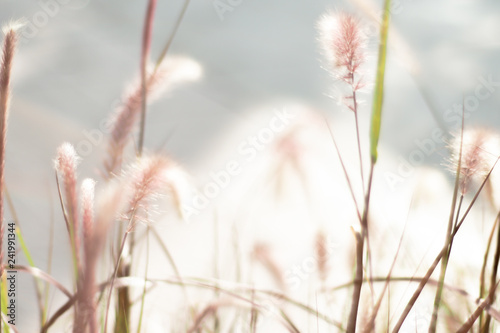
{"x": 112, "y": 222}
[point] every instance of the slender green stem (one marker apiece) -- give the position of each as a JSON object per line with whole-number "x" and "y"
{"x": 442, "y": 273}
{"x": 493, "y": 281}
{"x": 356, "y": 120}
{"x": 115, "y": 271}
{"x": 360, "y": 240}
{"x": 172, "y": 35}
{"x": 452, "y": 225}
{"x": 143, "y": 297}
{"x": 485, "y": 263}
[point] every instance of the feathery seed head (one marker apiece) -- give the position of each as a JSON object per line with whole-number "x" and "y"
{"x": 151, "y": 177}
{"x": 343, "y": 43}
{"x": 14, "y": 26}
{"x": 6, "y": 61}
{"x": 479, "y": 153}
{"x": 66, "y": 160}
{"x": 65, "y": 165}
{"x": 172, "y": 72}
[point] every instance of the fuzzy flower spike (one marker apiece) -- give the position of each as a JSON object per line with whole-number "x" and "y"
{"x": 479, "y": 152}
{"x": 172, "y": 72}
{"x": 6, "y": 62}
{"x": 65, "y": 165}
{"x": 343, "y": 43}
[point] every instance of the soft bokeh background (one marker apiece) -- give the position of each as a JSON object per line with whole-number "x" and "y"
{"x": 260, "y": 57}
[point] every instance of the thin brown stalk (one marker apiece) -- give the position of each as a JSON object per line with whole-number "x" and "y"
{"x": 177, "y": 24}
{"x": 38, "y": 273}
{"x": 62, "y": 310}
{"x": 351, "y": 324}
{"x": 360, "y": 240}
{"x": 351, "y": 190}
{"x": 467, "y": 326}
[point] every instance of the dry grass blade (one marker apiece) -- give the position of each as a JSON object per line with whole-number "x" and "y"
{"x": 62, "y": 310}
{"x": 414, "y": 279}
{"x": 172, "y": 72}
{"x": 370, "y": 325}
{"x": 304, "y": 307}
{"x": 356, "y": 294}
{"x": 449, "y": 238}
{"x": 345, "y": 171}
{"x": 444, "y": 250}
{"x": 170, "y": 259}
{"x": 279, "y": 296}
{"x": 44, "y": 276}
{"x": 236, "y": 293}
{"x": 172, "y": 35}
{"x": 289, "y": 321}
{"x": 467, "y": 326}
